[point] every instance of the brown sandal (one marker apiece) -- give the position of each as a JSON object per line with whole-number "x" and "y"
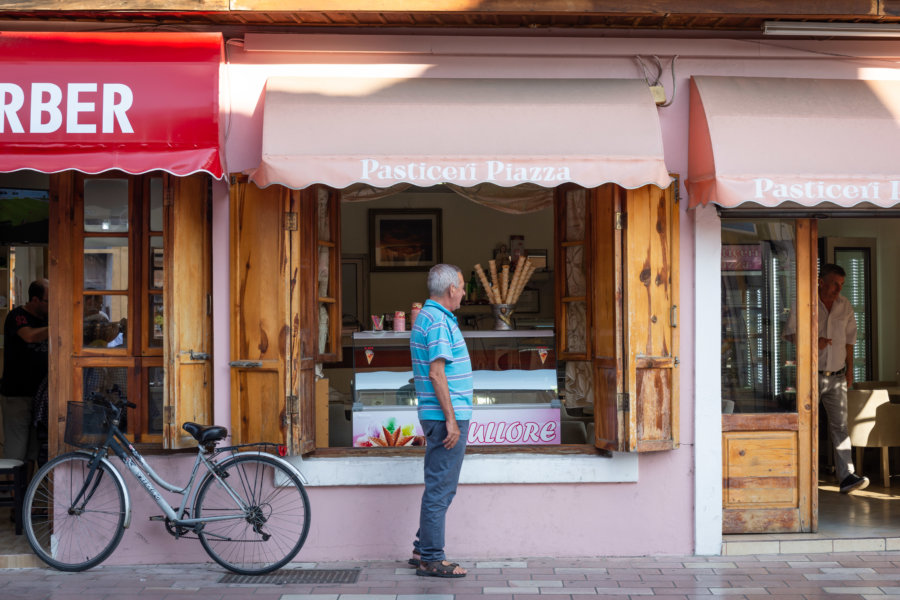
{"x": 438, "y": 568}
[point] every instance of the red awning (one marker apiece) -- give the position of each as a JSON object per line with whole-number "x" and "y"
{"x": 769, "y": 141}
{"x": 95, "y": 102}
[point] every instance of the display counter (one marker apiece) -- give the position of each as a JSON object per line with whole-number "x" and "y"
{"x": 514, "y": 376}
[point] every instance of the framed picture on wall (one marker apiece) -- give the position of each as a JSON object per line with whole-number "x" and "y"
{"x": 404, "y": 239}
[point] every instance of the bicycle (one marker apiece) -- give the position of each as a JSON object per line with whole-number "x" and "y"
{"x": 250, "y": 511}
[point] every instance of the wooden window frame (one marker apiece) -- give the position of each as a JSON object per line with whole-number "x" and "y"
{"x": 66, "y": 309}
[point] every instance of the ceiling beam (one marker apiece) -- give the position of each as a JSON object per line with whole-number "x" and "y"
{"x": 798, "y": 9}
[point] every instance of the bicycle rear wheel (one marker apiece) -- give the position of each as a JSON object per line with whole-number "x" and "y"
{"x": 70, "y": 526}
{"x": 266, "y": 534}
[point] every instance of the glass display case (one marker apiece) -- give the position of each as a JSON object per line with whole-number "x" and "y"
{"x": 515, "y": 399}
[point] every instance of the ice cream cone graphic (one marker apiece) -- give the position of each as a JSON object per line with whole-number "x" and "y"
{"x": 543, "y": 352}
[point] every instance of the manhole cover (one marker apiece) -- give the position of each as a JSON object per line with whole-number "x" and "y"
{"x": 296, "y": 576}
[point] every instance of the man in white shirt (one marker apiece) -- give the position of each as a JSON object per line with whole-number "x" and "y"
{"x": 837, "y": 335}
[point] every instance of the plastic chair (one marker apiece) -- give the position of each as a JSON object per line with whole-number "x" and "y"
{"x": 12, "y": 481}
{"x": 873, "y": 422}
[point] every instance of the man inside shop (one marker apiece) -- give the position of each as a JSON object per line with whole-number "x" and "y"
{"x": 24, "y": 368}
{"x": 837, "y": 335}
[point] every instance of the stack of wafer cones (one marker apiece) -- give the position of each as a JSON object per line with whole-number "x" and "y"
{"x": 505, "y": 288}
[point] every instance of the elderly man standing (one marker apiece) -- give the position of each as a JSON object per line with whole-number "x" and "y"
{"x": 443, "y": 380}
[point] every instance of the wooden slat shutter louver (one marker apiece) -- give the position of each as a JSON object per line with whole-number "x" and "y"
{"x": 187, "y": 307}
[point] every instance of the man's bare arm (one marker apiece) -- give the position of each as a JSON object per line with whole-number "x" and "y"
{"x": 33, "y": 335}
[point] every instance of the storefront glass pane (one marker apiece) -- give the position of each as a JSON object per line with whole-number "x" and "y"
{"x": 104, "y": 321}
{"x": 156, "y": 263}
{"x": 576, "y": 327}
{"x": 156, "y": 204}
{"x": 106, "y": 205}
{"x": 575, "y": 279}
{"x": 575, "y": 215}
{"x": 324, "y": 279}
{"x": 324, "y": 220}
{"x": 324, "y": 329}
{"x": 110, "y": 383}
{"x": 759, "y": 297}
{"x": 106, "y": 263}
{"x": 155, "y": 335}
{"x": 155, "y": 382}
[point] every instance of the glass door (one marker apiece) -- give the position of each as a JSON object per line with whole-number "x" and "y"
{"x": 767, "y": 276}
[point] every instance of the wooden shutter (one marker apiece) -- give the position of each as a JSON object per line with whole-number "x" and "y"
{"x": 607, "y": 316}
{"x": 573, "y": 272}
{"x": 633, "y": 245}
{"x": 263, "y": 227}
{"x": 650, "y": 286}
{"x": 187, "y": 307}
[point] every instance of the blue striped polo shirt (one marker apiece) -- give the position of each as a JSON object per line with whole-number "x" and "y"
{"x": 436, "y": 334}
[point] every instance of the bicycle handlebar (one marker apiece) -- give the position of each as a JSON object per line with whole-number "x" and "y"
{"x": 98, "y": 398}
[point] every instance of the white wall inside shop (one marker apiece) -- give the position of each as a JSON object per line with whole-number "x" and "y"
{"x": 887, "y": 283}
{"x": 470, "y": 234}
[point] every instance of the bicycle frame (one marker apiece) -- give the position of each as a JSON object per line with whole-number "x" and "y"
{"x": 137, "y": 465}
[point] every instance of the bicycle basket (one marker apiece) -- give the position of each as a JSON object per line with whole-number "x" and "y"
{"x": 86, "y": 425}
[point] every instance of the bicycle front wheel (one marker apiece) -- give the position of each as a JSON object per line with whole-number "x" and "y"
{"x": 74, "y": 518}
{"x": 259, "y": 515}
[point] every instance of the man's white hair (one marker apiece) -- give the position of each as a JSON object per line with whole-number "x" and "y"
{"x": 441, "y": 277}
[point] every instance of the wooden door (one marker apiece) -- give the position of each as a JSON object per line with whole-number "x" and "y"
{"x": 768, "y": 443}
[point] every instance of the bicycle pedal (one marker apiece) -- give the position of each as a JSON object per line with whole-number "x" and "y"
{"x": 158, "y": 518}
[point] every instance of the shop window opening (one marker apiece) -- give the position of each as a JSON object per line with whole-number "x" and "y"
{"x": 857, "y": 262}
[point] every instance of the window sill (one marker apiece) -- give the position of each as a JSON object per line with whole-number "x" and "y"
{"x": 353, "y": 469}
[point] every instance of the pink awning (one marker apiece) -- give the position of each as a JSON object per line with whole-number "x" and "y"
{"x": 341, "y": 131}
{"x": 94, "y": 102}
{"x": 804, "y": 141}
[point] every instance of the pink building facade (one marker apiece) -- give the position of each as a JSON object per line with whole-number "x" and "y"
{"x": 514, "y": 504}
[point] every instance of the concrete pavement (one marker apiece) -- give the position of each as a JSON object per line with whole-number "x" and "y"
{"x": 873, "y": 575}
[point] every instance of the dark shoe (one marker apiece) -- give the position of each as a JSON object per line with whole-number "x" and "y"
{"x": 853, "y": 482}
{"x": 438, "y": 568}
{"x": 415, "y": 560}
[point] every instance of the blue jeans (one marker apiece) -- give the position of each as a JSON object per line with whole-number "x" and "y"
{"x": 442, "y": 468}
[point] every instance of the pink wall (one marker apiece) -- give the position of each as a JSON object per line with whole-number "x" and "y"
{"x": 485, "y": 521}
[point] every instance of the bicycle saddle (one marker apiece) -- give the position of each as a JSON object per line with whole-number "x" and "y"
{"x": 205, "y": 433}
